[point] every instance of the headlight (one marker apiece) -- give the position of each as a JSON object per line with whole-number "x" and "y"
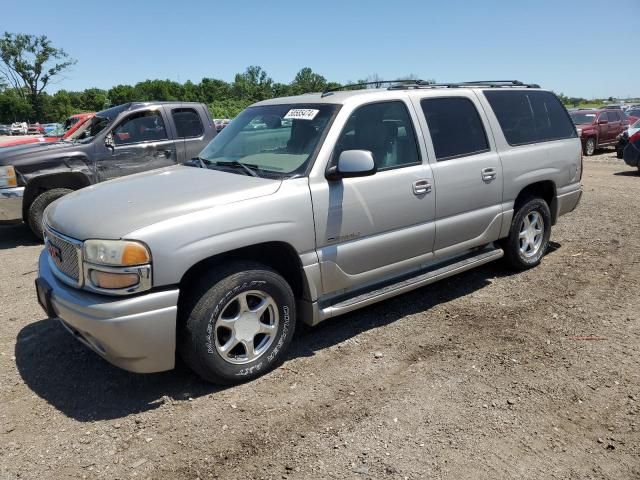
{"x": 120, "y": 253}
{"x": 8, "y": 177}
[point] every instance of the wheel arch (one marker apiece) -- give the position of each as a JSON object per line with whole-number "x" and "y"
{"x": 42, "y": 183}
{"x": 278, "y": 255}
{"x": 545, "y": 189}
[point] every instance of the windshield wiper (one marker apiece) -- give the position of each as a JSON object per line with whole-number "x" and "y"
{"x": 250, "y": 169}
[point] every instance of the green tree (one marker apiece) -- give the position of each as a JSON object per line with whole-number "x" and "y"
{"x": 121, "y": 94}
{"x": 253, "y": 85}
{"x": 29, "y": 64}
{"x": 94, "y": 99}
{"x": 307, "y": 81}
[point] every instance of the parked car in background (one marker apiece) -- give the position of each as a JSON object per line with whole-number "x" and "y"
{"x": 35, "y": 129}
{"x": 122, "y": 140}
{"x": 598, "y": 128}
{"x": 19, "y": 128}
{"x": 631, "y": 152}
{"x": 72, "y": 124}
{"x": 5, "y": 129}
{"x": 220, "y": 123}
{"x": 365, "y": 195}
{"x": 50, "y": 127}
{"x": 633, "y": 115}
{"x": 623, "y": 138}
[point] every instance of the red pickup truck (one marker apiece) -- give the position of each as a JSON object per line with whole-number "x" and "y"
{"x": 598, "y": 128}
{"x": 70, "y": 125}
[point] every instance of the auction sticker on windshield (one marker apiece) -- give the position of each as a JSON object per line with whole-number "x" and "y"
{"x": 301, "y": 114}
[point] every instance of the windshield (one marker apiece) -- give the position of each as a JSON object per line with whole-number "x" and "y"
{"x": 276, "y": 140}
{"x": 582, "y": 118}
{"x": 633, "y": 112}
{"x": 89, "y": 129}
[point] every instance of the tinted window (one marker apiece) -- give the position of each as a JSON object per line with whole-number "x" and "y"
{"x": 604, "y": 117}
{"x": 384, "y": 129}
{"x": 187, "y": 122}
{"x": 529, "y": 117}
{"x": 140, "y": 127}
{"x": 455, "y": 127}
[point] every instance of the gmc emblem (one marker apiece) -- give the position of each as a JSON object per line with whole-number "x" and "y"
{"x": 54, "y": 252}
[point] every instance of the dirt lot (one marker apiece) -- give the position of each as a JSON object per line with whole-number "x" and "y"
{"x": 486, "y": 375}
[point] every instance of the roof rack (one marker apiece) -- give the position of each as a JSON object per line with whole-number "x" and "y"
{"x": 377, "y": 83}
{"x": 415, "y": 84}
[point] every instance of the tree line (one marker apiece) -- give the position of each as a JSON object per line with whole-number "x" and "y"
{"x": 224, "y": 99}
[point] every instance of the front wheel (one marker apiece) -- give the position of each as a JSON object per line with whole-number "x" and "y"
{"x": 37, "y": 207}
{"x": 237, "y": 323}
{"x": 529, "y": 234}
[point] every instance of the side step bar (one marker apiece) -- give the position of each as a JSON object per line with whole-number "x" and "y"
{"x": 409, "y": 284}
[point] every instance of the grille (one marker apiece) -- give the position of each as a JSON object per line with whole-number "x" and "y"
{"x": 65, "y": 255}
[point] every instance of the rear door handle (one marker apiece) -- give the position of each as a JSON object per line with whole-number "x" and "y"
{"x": 420, "y": 187}
{"x": 489, "y": 174}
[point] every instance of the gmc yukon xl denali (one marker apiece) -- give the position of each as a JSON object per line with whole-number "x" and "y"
{"x": 122, "y": 140}
{"x": 302, "y": 209}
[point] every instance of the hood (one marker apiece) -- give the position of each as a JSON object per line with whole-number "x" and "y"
{"x": 22, "y": 154}
{"x": 113, "y": 209}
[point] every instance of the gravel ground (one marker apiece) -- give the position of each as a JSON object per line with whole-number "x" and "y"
{"x": 485, "y": 375}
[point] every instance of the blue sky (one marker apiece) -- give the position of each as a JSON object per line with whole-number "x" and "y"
{"x": 581, "y": 48}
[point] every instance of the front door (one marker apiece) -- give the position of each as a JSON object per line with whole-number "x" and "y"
{"x": 372, "y": 228}
{"x": 140, "y": 143}
{"x": 467, "y": 172}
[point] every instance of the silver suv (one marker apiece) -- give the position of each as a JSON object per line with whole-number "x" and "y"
{"x": 302, "y": 209}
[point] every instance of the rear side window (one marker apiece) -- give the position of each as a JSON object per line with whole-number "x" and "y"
{"x": 455, "y": 127}
{"x": 188, "y": 123}
{"x": 530, "y": 116}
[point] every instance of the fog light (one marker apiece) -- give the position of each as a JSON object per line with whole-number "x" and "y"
{"x": 113, "y": 281}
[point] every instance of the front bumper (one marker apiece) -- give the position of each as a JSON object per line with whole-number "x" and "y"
{"x": 136, "y": 333}
{"x": 11, "y": 204}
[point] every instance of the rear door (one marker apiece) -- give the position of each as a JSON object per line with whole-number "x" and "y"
{"x": 140, "y": 143}
{"x": 466, "y": 168}
{"x": 190, "y": 131}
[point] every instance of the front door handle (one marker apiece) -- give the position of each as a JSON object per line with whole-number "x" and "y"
{"x": 420, "y": 187}
{"x": 489, "y": 174}
{"x": 162, "y": 153}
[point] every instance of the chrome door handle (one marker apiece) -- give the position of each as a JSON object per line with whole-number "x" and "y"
{"x": 489, "y": 174}
{"x": 420, "y": 187}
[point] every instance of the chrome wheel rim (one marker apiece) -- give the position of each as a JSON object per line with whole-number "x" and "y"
{"x": 591, "y": 146}
{"x": 246, "y": 327}
{"x": 531, "y": 234}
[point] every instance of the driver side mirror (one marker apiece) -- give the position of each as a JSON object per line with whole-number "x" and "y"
{"x": 353, "y": 163}
{"x": 109, "y": 142}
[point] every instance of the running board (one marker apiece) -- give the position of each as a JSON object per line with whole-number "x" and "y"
{"x": 409, "y": 284}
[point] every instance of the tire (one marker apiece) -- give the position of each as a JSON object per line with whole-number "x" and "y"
{"x": 619, "y": 154}
{"x": 523, "y": 253}
{"x": 211, "y": 339}
{"x": 590, "y": 146}
{"x": 37, "y": 207}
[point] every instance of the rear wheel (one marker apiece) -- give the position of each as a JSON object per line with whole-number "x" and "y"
{"x": 237, "y": 323}
{"x": 529, "y": 234}
{"x": 590, "y": 146}
{"x": 37, "y": 207}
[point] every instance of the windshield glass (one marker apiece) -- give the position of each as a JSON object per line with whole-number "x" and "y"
{"x": 89, "y": 129}
{"x": 582, "y": 118}
{"x": 277, "y": 140}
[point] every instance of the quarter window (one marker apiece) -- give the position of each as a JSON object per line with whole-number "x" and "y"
{"x": 455, "y": 127}
{"x": 140, "y": 127}
{"x": 385, "y": 129}
{"x": 530, "y": 116}
{"x": 188, "y": 123}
